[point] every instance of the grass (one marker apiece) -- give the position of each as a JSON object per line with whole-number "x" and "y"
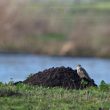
{"x": 52, "y": 37}
{"x": 42, "y": 27}
{"x": 42, "y": 98}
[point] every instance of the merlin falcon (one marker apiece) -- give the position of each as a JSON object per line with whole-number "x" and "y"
{"x": 82, "y": 72}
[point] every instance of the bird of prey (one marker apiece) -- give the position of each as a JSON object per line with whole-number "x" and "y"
{"x": 82, "y": 72}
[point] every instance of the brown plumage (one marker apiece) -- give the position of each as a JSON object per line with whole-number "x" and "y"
{"x": 82, "y": 72}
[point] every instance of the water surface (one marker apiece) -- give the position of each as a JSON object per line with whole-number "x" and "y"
{"x": 19, "y": 66}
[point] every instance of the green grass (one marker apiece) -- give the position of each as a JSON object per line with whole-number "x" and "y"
{"x": 101, "y": 6}
{"x": 52, "y": 37}
{"x": 98, "y": 6}
{"x": 41, "y": 98}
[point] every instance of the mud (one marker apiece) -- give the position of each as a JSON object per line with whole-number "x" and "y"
{"x": 59, "y": 77}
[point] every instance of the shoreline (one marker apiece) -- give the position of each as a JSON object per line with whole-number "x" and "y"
{"x": 52, "y": 55}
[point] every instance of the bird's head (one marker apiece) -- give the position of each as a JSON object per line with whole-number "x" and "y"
{"x": 78, "y": 66}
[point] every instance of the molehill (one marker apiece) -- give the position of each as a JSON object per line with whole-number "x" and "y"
{"x": 59, "y": 77}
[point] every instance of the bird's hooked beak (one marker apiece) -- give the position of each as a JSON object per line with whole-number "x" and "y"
{"x": 78, "y": 65}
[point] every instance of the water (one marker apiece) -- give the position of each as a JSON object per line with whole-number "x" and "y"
{"x": 19, "y": 66}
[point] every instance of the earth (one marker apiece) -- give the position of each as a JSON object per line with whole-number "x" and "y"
{"x": 64, "y": 77}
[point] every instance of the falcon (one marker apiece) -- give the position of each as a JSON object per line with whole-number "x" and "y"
{"x": 82, "y": 72}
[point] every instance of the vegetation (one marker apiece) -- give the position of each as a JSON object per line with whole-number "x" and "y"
{"x": 55, "y": 27}
{"x": 42, "y": 98}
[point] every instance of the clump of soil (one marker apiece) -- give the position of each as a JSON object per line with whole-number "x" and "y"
{"x": 61, "y": 77}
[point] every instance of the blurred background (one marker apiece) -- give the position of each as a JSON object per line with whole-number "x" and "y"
{"x": 55, "y": 27}
{"x": 32, "y": 28}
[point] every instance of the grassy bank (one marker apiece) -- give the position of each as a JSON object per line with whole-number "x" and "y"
{"x": 55, "y": 27}
{"x": 26, "y": 97}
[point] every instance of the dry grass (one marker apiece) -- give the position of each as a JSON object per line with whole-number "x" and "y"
{"x": 55, "y": 28}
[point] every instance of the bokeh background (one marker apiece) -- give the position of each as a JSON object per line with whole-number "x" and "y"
{"x": 55, "y": 27}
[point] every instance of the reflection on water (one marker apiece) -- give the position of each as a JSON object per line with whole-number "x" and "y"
{"x": 19, "y": 66}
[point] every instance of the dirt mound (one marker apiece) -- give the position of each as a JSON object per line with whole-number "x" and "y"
{"x": 59, "y": 76}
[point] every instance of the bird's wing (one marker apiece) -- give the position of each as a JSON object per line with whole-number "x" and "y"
{"x": 84, "y": 71}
